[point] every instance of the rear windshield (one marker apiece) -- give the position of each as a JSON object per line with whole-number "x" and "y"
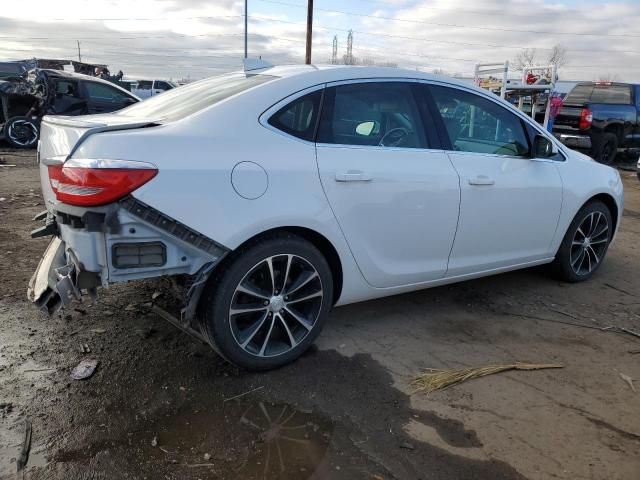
{"x": 592, "y": 93}
{"x": 183, "y": 101}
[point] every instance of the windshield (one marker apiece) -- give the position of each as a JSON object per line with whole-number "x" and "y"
{"x": 183, "y": 101}
{"x": 595, "y": 93}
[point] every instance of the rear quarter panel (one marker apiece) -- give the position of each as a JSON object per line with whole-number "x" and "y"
{"x": 195, "y": 157}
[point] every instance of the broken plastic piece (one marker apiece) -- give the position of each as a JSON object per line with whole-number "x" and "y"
{"x": 84, "y": 369}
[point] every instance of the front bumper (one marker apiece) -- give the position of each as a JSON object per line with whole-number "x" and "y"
{"x": 124, "y": 241}
{"x": 570, "y": 140}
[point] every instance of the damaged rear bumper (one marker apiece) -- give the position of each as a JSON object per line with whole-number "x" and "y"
{"x": 124, "y": 241}
{"x": 43, "y": 286}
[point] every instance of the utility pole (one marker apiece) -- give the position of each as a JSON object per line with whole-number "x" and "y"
{"x": 246, "y": 16}
{"x": 307, "y": 58}
{"x": 79, "y": 56}
{"x": 350, "y": 48}
{"x": 334, "y": 51}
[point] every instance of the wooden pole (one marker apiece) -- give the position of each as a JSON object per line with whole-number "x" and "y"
{"x": 246, "y": 16}
{"x": 307, "y": 58}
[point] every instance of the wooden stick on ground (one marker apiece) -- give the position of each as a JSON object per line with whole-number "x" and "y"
{"x": 24, "y": 451}
{"x": 434, "y": 379}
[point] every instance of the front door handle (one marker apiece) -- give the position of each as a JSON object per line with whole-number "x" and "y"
{"x": 353, "y": 176}
{"x": 481, "y": 180}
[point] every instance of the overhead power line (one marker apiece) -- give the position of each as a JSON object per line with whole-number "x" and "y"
{"x": 356, "y": 14}
{"x": 493, "y": 13}
{"x": 455, "y": 25}
{"x": 318, "y": 27}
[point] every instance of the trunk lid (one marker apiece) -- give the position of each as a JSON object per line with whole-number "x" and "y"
{"x": 60, "y": 136}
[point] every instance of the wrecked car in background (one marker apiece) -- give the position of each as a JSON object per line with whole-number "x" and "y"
{"x": 25, "y": 99}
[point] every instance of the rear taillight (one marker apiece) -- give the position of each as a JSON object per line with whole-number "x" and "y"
{"x": 586, "y": 117}
{"x": 89, "y": 182}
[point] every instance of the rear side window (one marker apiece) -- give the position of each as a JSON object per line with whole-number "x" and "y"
{"x": 104, "y": 93}
{"x": 160, "y": 85}
{"x": 299, "y": 117}
{"x": 476, "y": 124}
{"x": 594, "y": 93}
{"x": 181, "y": 102}
{"x": 380, "y": 114}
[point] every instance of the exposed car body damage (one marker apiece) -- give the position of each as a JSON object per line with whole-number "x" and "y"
{"x": 26, "y": 98}
{"x": 124, "y": 241}
{"x": 20, "y": 97}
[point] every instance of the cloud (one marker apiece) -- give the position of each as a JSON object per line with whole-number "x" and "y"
{"x": 445, "y": 33}
{"x": 176, "y": 38}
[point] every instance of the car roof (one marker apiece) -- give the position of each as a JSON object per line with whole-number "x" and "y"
{"x": 334, "y": 73}
{"x": 604, "y": 83}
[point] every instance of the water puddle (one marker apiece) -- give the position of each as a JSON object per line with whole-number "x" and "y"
{"x": 292, "y": 441}
{"x": 260, "y": 440}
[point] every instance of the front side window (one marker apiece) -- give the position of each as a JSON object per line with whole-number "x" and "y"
{"x": 104, "y": 93}
{"x": 476, "y": 124}
{"x": 299, "y": 117}
{"x": 382, "y": 114}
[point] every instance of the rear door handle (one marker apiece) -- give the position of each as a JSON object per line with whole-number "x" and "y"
{"x": 353, "y": 176}
{"x": 481, "y": 180}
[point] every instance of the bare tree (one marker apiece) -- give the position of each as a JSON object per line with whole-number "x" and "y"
{"x": 387, "y": 63}
{"x": 525, "y": 58}
{"x": 608, "y": 77}
{"x": 366, "y": 61}
{"x": 559, "y": 55}
{"x": 441, "y": 71}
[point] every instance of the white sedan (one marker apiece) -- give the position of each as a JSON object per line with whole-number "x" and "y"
{"x": 271, "y": 196}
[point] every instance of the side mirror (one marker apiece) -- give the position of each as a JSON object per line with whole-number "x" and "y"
{"x": 542, "y": 147}
{"x": 366, "y": 128}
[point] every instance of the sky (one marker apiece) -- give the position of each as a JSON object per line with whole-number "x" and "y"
{"x": 199, "y": 38}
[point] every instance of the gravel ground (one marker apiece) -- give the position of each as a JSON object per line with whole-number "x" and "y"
{"x": 160, "y": 405}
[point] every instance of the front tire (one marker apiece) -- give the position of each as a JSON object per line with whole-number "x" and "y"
{"x": 22, "y": 132}
{"x": 585, "y": 244}
{"x": 268, "y": 303}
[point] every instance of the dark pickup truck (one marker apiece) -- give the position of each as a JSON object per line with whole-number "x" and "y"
{"x": 600, "y": 119}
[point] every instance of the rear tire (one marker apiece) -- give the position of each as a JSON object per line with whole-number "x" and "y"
{"x": 585, "y": 243}
{"x": 268, "y": 303}
{"x": 22, "y": 132}
{"x": 607, "y": 149}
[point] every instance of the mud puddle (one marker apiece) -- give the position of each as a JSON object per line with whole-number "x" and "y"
{"x": 258, "y": 440}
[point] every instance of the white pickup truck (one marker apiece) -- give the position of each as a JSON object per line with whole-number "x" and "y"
{"x": 149, "y": 88}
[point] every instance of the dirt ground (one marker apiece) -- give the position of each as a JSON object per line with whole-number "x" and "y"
{"x": 161, "y": 406}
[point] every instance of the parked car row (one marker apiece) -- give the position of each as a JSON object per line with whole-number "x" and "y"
{"x": 148, "y": 88}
